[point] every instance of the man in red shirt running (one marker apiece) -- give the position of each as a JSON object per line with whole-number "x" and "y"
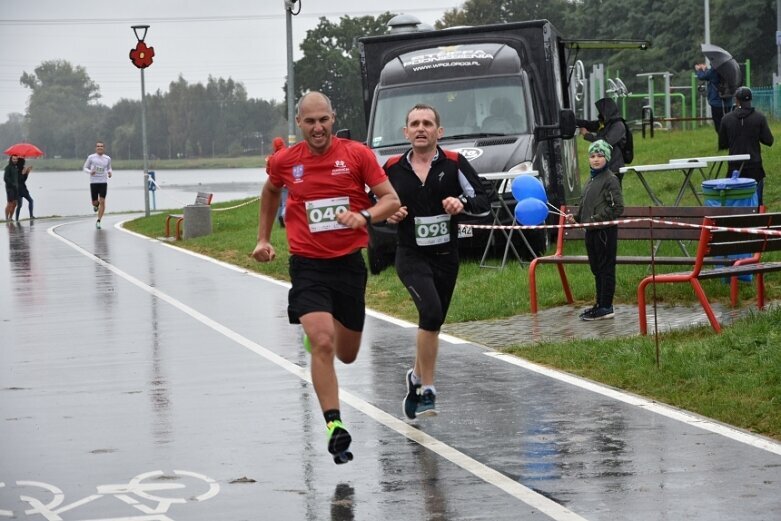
{"x": 327, "y": 212}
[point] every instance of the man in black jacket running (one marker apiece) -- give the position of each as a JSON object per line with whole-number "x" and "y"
{"x": 435, "y": 186}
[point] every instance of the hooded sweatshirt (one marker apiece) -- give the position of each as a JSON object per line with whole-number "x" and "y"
{"x": 742, "y": 131}
{"x": 608, "y": 127}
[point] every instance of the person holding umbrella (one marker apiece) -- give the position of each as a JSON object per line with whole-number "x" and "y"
{"x": 11, "y": 179}
{"x": 723, "y": 76}
{"x": 718, "y": 105}
{"x": 24, "y": 193}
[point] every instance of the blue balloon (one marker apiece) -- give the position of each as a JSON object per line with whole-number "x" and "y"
{"x": 531, "y": 211}
{"x": 526, "y": 185}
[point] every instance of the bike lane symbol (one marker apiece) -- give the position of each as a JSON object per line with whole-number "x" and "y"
{"x": 153, "y": 503}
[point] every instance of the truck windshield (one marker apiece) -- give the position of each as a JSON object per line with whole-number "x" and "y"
{"x": 472, "y": 107}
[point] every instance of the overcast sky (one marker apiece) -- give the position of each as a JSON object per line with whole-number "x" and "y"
{"x": 241, "y": 39}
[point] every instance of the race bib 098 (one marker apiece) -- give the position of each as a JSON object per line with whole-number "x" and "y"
{"x": 432, "y": 230}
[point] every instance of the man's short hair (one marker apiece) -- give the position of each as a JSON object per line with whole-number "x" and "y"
{"x": 423, "y": 106}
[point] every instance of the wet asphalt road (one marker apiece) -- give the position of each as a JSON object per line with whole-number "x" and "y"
{"x": 139, "y": 382}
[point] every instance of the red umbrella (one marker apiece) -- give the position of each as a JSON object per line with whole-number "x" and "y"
{"x": 23, "y": 150}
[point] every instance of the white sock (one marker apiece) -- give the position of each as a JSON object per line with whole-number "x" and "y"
{"x": 429, "y": 388}
{"x": 415, "y": 378}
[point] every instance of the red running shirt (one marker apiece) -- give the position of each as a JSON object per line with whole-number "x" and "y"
{"x": 318, "y": 187}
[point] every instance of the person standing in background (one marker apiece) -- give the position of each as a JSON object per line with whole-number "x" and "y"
{"x": 278, "y": 144}
{"x": 602, "y": 200}
{"x": 718, "y": 105}
{"x": 98, "y": 166}
{"x": 11, "y": 179}
{"x": 24, "y": 193}
{"x": 742, "y": 131}
{"x": 608, "y": 127}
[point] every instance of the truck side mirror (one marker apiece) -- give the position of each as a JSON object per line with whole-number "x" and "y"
{"x": 566, "y": 129}
{"x": 344, "y": 133}
{"x": 568, "y": 123}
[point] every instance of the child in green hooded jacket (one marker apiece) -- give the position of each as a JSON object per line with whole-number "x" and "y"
{"x": 602, "y": 200}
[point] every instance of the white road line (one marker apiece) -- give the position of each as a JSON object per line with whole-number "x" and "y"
{"x": 487, "y": 474}
{"x": 665, "y": 410}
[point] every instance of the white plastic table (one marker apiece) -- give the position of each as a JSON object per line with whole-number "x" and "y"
{"x": 715, "y": 164}
{"x": 499, "y": 180}
{"x": 687, "y": 168}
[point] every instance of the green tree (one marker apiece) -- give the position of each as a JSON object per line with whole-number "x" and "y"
{"x": 63, "y": 114}
{"x": 747, "y": 30}
{"x": 331, "y": 65}
{"x": 12, "y": 131}
{"x": 481, "y": 12}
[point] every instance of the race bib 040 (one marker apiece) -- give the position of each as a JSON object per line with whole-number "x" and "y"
{"x": 321, "y": 213}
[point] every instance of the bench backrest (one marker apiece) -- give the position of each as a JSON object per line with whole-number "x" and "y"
{"x": 204, "y": 198}
{"x": 645, "y": 230}
{"x": 728, "y": 242}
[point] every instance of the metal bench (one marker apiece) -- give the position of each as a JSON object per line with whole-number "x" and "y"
{"x": 723, "y": 243}
{"x": 641, "y": 230}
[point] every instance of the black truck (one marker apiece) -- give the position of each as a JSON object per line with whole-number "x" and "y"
{"x": 504, "y": 100}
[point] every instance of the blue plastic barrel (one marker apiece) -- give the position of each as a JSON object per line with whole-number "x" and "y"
{"x": 731, "y": 191}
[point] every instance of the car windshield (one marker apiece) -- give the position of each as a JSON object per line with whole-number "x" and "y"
{"x": 468, "y": 108}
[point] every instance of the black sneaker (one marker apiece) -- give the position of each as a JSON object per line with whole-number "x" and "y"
{"x": 95, "y": 208}
{"x": 427, "y": 404}
{"x": 588, "y": 312}
{"x": 600, "y": 314}
{"x": 412, "y": 398}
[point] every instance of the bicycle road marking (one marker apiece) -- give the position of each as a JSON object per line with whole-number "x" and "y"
{"x": 480, "y": 470}
{"x": 136, "y": 486}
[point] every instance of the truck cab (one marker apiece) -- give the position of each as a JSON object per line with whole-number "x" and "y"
{"x": 503, "y": 98}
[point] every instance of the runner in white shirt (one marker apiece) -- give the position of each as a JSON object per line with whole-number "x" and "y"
{"x": 98, "y": 166}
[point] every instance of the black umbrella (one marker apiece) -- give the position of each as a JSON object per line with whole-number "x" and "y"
{"x": 715, "y": 54}
{"x": 730, "y": 75}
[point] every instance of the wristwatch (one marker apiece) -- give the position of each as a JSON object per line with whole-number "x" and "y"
{"x": 366, "y": 215}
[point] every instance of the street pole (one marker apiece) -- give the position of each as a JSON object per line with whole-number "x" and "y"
{"x": 141, "y": 56}
{"x": 291, "y": 129}
{"x": 143, "y": 142}
{"x": 778, "y": 39}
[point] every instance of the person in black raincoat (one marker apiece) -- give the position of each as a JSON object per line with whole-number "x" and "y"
{"x": 742, "y": 131}
{"x": 608, "y": 127}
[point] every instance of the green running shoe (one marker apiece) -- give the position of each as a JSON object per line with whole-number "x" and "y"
{"x": 307, "y": 344}
{"x": 338, "y": 442}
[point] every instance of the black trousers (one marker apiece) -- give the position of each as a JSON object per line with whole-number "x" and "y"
{"x": 602, "y": 248}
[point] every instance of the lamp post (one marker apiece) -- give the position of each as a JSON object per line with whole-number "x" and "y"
{"x": 141, "y": 56}
{"x": 291, "y": 129}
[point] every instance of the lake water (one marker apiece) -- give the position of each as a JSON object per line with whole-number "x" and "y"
{"x": 67, "y": 193}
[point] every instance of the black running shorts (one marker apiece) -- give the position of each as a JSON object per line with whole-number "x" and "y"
{"x": 336, "y": 286}
{"x": 98, "y": 189}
